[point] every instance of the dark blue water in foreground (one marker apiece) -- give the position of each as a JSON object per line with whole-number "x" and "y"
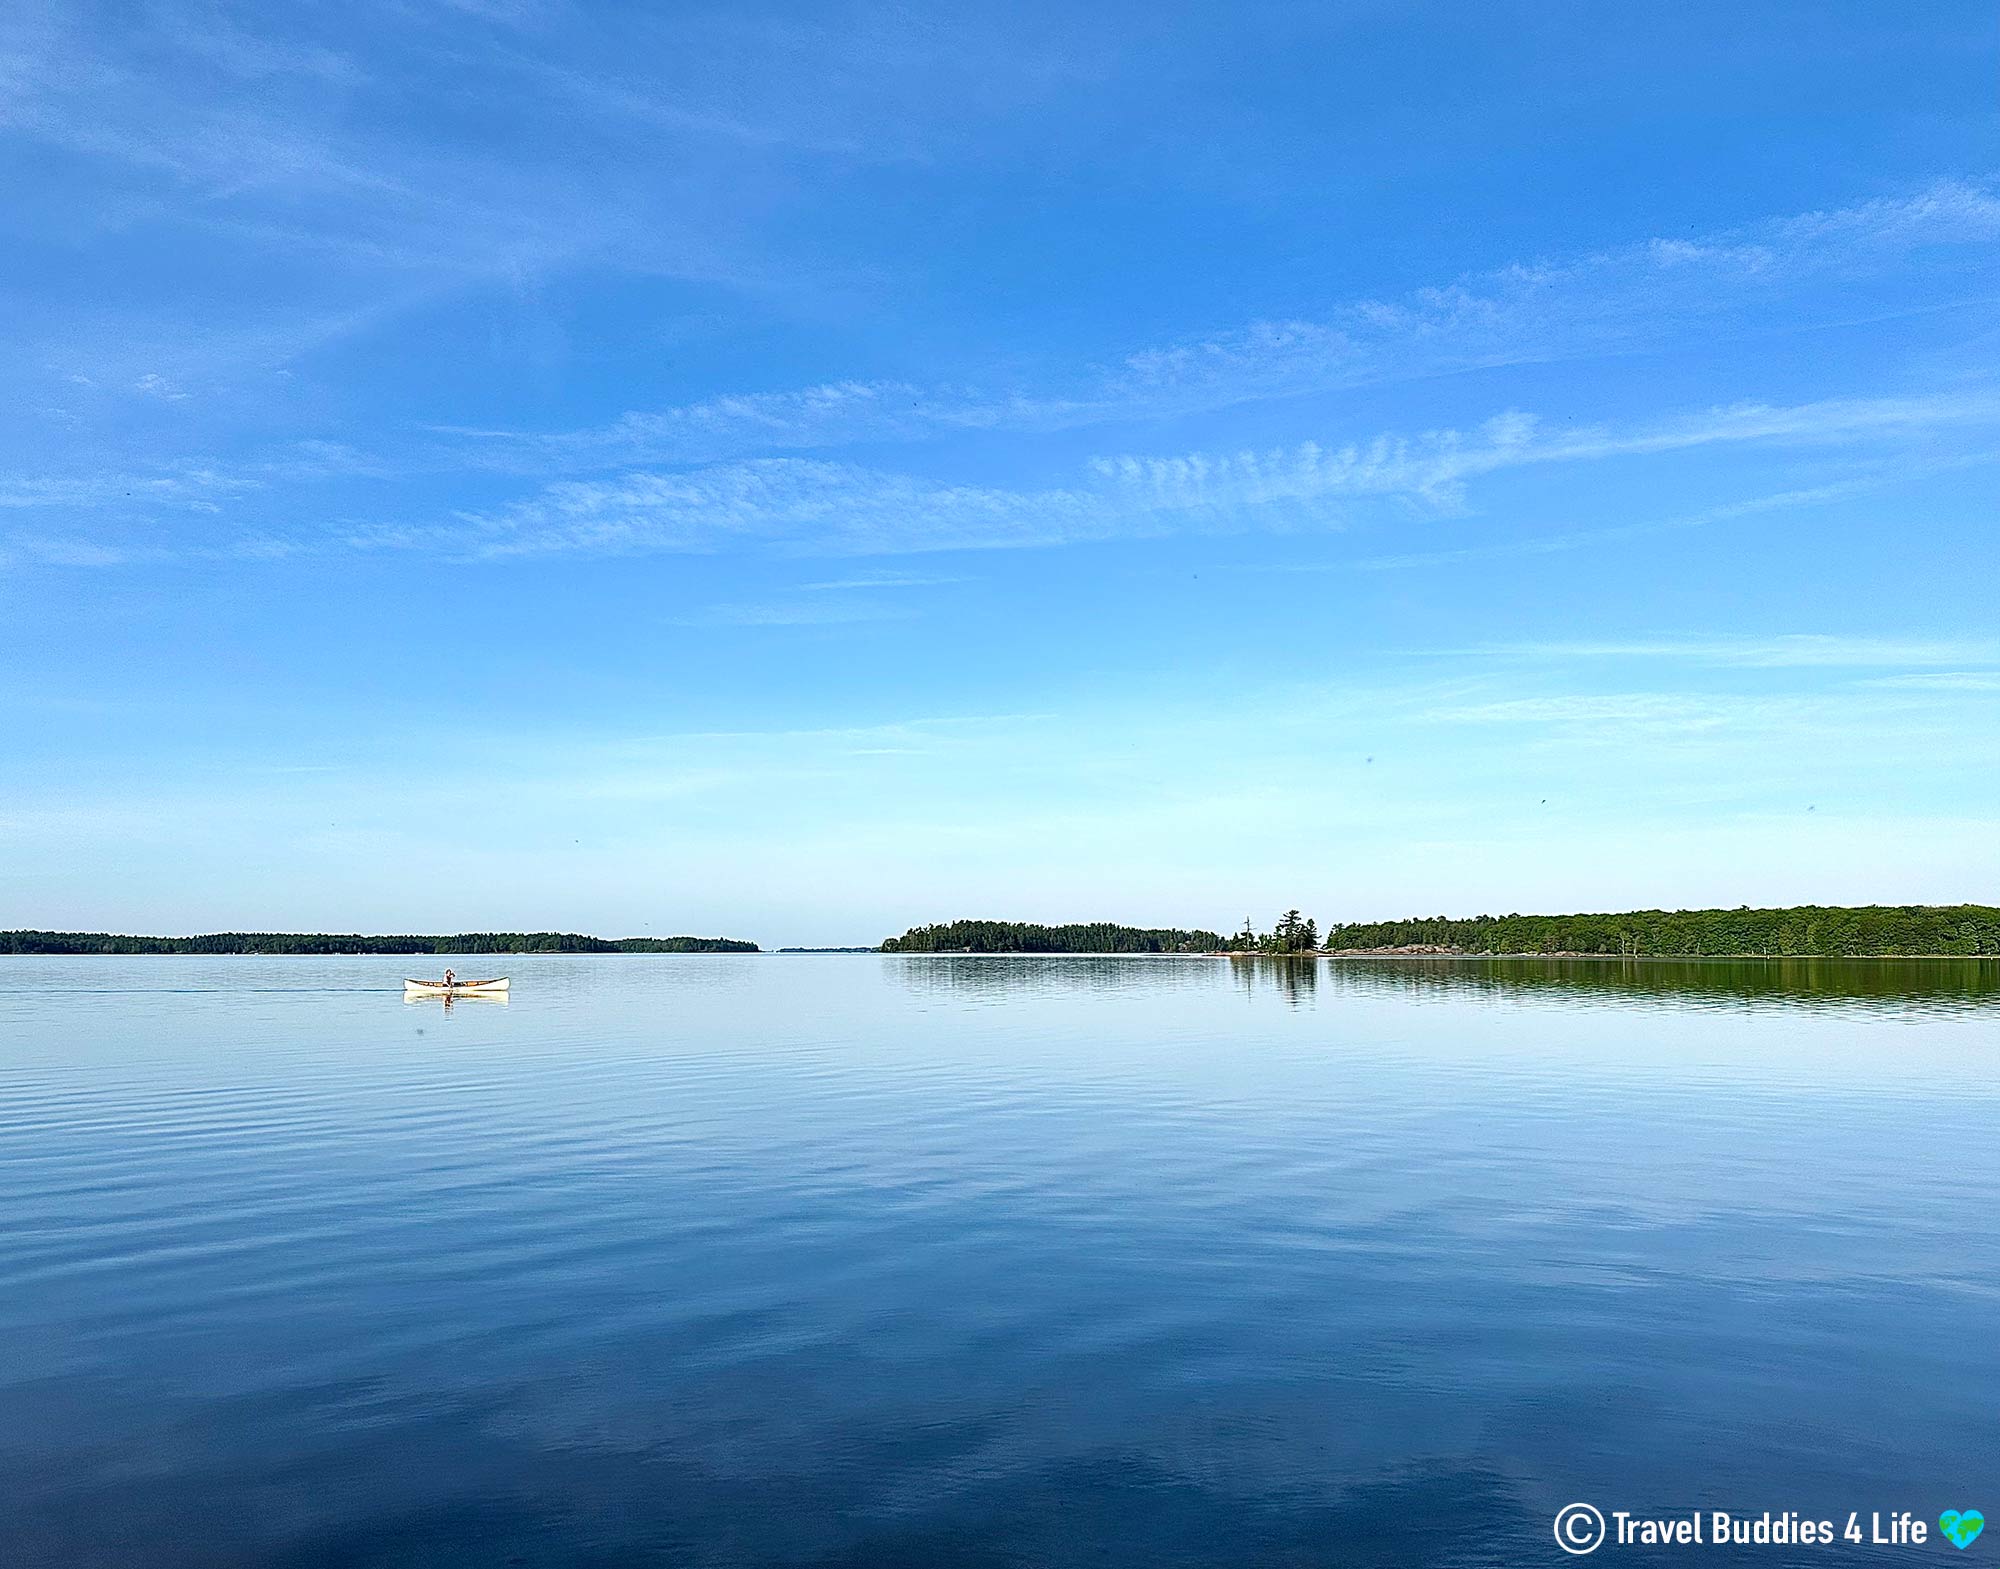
{"x": 933, "y": 1261}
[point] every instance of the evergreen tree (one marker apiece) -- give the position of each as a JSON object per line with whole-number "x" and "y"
{"x": 1293, "y": 934}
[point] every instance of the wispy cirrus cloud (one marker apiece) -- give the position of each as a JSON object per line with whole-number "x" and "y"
{"x": 1790, "y": 650}
{"x": 240, "y": 135}
{"x": 200, "y": 484}
{"x": 1609, "y": 301}
{"x": 884, "y": 580}
{"x": 843, "y": 601}
{"x": 791, "y": 613}
{"x": 154, "y": 385}
{"x": 56, "y": 550}
{"x": 689, "y": 480}
{"x": 1942, "y": 681}
{"x": 1588, "y": 538}
{"x": 196, "y": 487}
{"x": 393, "y": 157}
{"x": 818, "y": 507}
{"x": 1645, "y": 710}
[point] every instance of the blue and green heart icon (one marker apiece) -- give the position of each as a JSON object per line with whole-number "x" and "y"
{"x": 1962, "y": 1527}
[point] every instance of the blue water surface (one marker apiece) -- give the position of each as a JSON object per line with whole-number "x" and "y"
{"x": 882, "y": 1261}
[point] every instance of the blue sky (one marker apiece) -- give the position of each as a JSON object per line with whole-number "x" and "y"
{"x": 799, "y": 471}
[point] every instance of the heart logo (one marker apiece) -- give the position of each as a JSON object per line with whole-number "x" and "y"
{"x": 1962, "y": 1529}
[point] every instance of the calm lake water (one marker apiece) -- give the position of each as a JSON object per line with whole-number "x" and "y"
{"x": 882, "y": 1261}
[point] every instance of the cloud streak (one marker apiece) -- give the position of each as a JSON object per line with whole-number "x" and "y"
{"x": 790, "y": 613}
{"x": 745, "y": 468}
{"x": 1611, "y": 301}
{"x": 1794, "y": 650}
{"x": 815, "y": 507}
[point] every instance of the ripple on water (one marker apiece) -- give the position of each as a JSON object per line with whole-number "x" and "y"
{"x": 866, "y": 1261}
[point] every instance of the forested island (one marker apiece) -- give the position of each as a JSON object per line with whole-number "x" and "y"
{"x": 323, "y": 943}
{"x": 1808, "y": 929}
{"x": 1024, "y": 937}
{"x": 1911, "y": 930}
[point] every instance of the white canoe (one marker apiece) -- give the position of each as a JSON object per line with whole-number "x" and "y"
{"x": 455, "y": 989}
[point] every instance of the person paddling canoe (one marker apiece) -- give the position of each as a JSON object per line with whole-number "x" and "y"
{"x": 452, "y": 986}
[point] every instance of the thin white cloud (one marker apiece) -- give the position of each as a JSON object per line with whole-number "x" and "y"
{"x": 880, "y": 580}
{"x": 832, "y": 602}
{"x": 789, "y": 613}
{"x": 199, "y": 488}
{"x": 1792, "y": 650}
{"x": 1586, "y": 538}
{"x": 1943, "y": 681}
{"x": 816, "y": 507}
{"x": 56, "y": 551}
{"x": 1523, "y": 313}
{"x": 1604, "y": 302}
{"x": 280, "y": 149}
{"x": 1651, "y": 710}
{"x": 154, "y": 385}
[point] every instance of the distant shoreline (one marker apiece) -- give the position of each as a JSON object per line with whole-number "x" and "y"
{"x": 406, "y": 945}
{"x": 1790, "y": 931}
{"x": 1961, "y": 931}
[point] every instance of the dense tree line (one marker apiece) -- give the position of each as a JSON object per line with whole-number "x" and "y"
{"x": 1797, "y": 931}
{"x": 684, "y": 945}
{"x": 320, "y": 942}
{"x": 1026, "y": 937}
{"x": 1802, "y": 929}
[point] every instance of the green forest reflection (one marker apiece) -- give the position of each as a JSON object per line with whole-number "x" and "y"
{"x": 1908, "y": 985}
